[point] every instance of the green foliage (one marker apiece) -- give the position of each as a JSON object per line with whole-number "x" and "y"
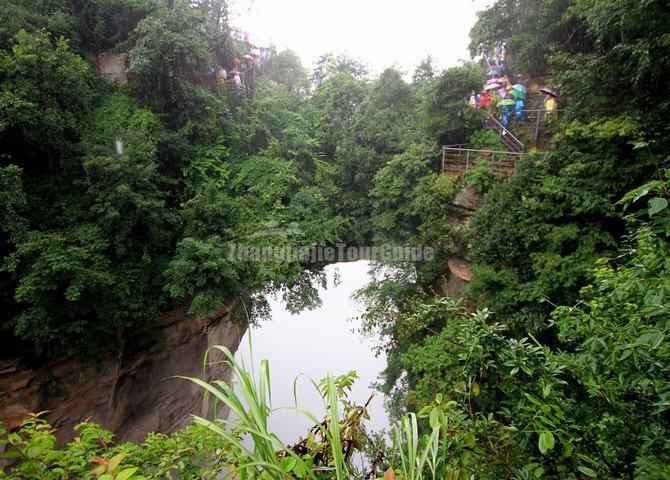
{"x": 591, "y": 403}
{"x": 432, "y": 203}
{"x": 396, "y": 216}
{"x": 112, "y": 210}
{"x": 633, "y": 50}
{"x": 113, "y": 207}
{"x": 486, "y": 140}
{"x": 540, "y": 232}
{"x": 95, "y": 248}
{"x": 330, "y": 65}
{"x": 337, "y": 98}
{"x": 579, "y": 390}
{"x": 169, "y": 47}
{"x": 424, "y": 72}
{"x": 286, "y": 69}
{"x": 31, "y": 15}
{"x": 531, "y": 28}
{"x": 12, "y": 202}
{"x": 92, "y": 26}
{"x": 327, "y": 449}
{"x": 125, "y": 189}
{"x": 190, "y": 453}
{"x": 66, "y": 271}
{"x": 382, "y": 126}
{"x": 480, "y": 178}
{"x": 384, "y": 121}
{"x": 208, "y": 447}
{"x": 44, "y": 91}
{"x": 448, "y": 118}
{"x": 102, "y": 25}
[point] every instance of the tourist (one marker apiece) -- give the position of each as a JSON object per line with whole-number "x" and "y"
{"x": 550, "y": 104}
{"x": 221, "y": 75}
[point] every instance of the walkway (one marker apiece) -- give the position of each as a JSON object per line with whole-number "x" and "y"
{"x": 533, "y": 129}
{"x": 459, "y": 159}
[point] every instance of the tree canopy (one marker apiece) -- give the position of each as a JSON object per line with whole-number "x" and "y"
{"x": 121, "y": 202}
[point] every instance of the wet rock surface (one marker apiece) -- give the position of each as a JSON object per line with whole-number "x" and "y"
{"x": 131, "y": 394}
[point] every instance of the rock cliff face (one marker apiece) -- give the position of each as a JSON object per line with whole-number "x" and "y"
{"x": 459, "y": 278}
{"x": 463, "y": 206}
{"x": 132, "y": 394}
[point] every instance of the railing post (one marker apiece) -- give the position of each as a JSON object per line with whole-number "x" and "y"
{"x": 537, "y": 128}
{"x": 467, "y": 161}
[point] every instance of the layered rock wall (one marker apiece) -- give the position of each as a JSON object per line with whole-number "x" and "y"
{"x": 131, "y": 394}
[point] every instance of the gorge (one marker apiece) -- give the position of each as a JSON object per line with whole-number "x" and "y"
{"x": 156, "y": 161}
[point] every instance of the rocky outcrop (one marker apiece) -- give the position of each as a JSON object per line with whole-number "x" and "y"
{"x": 460, "y": 276}
{"x": 464, "y": 204}
{"x": 111, "y": 68}
{"x": 131, "y": 394}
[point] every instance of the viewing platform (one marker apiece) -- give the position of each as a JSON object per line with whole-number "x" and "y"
{"x": 113, "y": 68}
{"x": 532, "y": 131}
{"x": 460, "y": 159}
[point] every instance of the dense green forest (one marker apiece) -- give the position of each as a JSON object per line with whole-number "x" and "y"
{"x": 555, "y": 365}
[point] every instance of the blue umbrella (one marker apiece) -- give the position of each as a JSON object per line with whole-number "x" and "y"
{"x": 520, "y": 88}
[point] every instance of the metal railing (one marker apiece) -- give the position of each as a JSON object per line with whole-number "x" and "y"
{"x": 535, "y": 122}
{"x": 457, "y": 159}
{"x": 512, "y": 143}
{"x": 198, "y": 75}
{"x": 209, "y": 81}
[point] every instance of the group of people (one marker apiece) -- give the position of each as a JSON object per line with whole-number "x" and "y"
{"x": 249, "y": 61}
{"x": 495, "y": 62}
{"x": 499, "y": 94}
{"x": 503, "y": 97}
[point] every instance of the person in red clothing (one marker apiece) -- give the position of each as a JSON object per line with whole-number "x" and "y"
{"x": 485, "y": 100}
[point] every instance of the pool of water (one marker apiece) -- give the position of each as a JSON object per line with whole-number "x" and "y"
{"x": 313, "y": 343}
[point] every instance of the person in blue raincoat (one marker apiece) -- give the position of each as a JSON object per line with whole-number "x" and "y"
{"x": 519, "y": 112}
{"x": 506, "y": 113}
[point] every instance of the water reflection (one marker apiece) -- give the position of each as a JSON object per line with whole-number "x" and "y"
{"x": 313, "y": 343}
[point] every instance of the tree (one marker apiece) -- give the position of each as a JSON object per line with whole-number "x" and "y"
{"x": 337, "y": 99}
{"x": 381, "y": 127}
{"x": 448, "y": 118}
{"x": 394, "y": 191}
{"x": 532, "y": 29}
{"x": 55, "y": 17}
{"x": 330, "y": 65}
{"x": 286, "y": 68}
{"x": 424, "y": 72}
{"x": 102, "y": 25}
{"x": 46, "y": 90}
{"x": 168, "y": 48}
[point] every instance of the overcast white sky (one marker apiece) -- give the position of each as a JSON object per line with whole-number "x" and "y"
{"x": 379, "y": 32}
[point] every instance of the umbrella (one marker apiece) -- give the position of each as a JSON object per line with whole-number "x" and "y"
{"x": 503, "y": 93}
{"x": 520, "y": 88}
{"x": 507, "y": 102}
{"x": 549, "y": 91}
{"x": 492, "y": 86}
{"x": 517, "y": 94}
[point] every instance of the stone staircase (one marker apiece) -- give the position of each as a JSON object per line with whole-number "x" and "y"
{"x": 509, "y": 141}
